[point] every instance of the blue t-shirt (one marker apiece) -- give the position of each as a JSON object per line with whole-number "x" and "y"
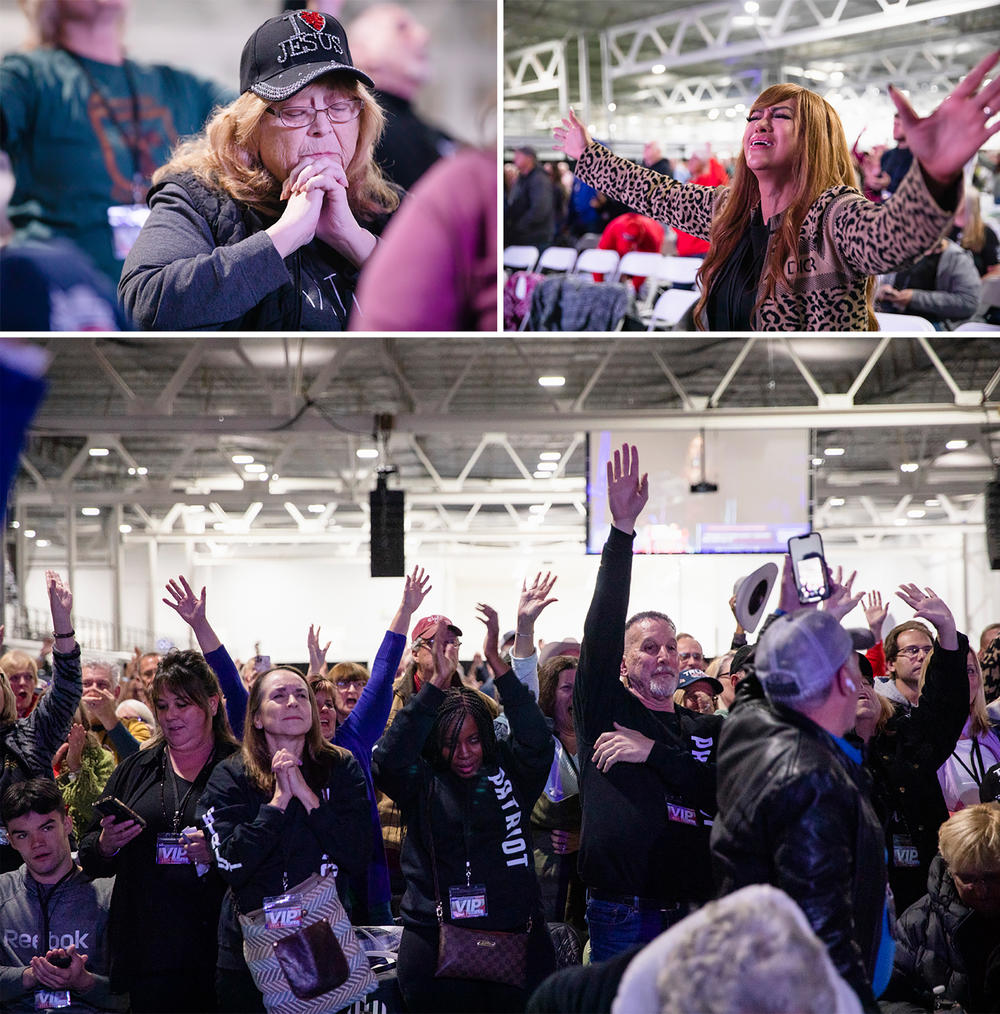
{"x": 68, "y": 124}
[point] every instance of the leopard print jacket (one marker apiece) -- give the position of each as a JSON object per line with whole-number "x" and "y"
{"x": 845, "y": 238}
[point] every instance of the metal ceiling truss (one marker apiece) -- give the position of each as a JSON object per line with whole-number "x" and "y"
{"x": 198, "y": 496}
{"x": 724, "y": 31}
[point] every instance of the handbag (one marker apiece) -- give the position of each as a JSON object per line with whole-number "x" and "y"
{"x": 491, "y": 955}
{"x": 317, "y": 968}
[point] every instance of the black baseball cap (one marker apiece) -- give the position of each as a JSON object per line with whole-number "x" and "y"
{"x": 292, "y": 49}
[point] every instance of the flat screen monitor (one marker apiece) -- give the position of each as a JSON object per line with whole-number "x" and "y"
{"x": 761, "y": 497}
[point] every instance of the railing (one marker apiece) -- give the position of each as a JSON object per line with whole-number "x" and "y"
{"x": 33, "y": 624}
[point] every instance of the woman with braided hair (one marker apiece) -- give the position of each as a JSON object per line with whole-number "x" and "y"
{"x": 466, "y": 799}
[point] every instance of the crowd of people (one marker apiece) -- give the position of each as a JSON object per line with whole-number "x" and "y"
{"x": 147, "y": 197}
{"x": 629, "y": 791}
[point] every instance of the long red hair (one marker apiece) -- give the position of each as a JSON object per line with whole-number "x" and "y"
{"x": 824, "y": 161}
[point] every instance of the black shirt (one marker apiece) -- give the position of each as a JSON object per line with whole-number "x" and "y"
{"x": 734, "y": 291}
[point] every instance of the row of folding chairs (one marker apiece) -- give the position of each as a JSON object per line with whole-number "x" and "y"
{"x": 568, "y": 261}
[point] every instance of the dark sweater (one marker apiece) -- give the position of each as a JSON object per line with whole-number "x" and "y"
{"x": 185, "y": 906}
{"x": 636, "y": 817}
{"x": 484, "y": 819}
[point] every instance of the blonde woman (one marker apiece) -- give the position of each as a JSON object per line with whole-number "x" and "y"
{"x": 977, "y": 749}
{"x": 971, "y": 233}
{"x": 264, "y": 221}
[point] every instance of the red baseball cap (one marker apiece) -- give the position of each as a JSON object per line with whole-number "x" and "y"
{"x": 429, "y": 624}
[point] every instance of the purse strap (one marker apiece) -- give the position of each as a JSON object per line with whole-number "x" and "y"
{"x": 438, "y": 907}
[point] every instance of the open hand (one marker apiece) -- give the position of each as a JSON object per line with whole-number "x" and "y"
{"x": 534, "y": 599}
{"x": 415, "y": 590}
{"x": 189, "y": 607}
{"x": 317, "y": 654}
{"x": 841, "y": 600}
{"x": 627, "y": 492}
{"x": 571, "y": 137}
{"x": 952, "y": 134}
{"x": 875, "y": 613}
{"x": 928, "y": 605}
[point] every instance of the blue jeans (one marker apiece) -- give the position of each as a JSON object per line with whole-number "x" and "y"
{"x": 615, "y": 927}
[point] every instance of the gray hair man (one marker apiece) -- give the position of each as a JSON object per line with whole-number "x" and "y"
{"x": 793, "y": 806}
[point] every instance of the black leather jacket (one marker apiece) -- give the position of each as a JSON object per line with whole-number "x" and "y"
{"x": 794, "y": 811}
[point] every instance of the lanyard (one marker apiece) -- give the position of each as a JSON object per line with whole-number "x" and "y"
{"x": 133, "y": 140}
{"x": 974, "y": 754}
{"x": 178, "y": 807}
{"x": 44, "y": 899}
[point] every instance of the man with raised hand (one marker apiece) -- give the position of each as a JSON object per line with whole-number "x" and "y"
{"x": 647, "y": 768}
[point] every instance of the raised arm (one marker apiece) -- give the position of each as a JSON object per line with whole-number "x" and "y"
{"x": 367, "y": 720}
{"x": 192, "y": 609}
{"x": 944, "y": 141}
{"x": 604, "y": 629}
{"x": 53, "y": 717}
{"x": 317, "y": 653}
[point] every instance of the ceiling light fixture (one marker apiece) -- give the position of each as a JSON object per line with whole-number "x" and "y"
{"x": 242, "y": 459}
{"x": 316, "y": 508}
{"x": 552, "y": 381}
{"x": 98, "y": 452}
{"x": 125, "y": 529}
{"x": 818, "y": 461}
{"x": 90, "y": 512}
{"x": 908, "y": 466}
{"x": 142, "y": 470}
{"x": 833, "y": 452}
{"x": 837, "y": 501}
{"x": 366, "y": 453}
{"x": 957, "y": 445}
{"x": 255, "y": 467}
{"x": 550, "y": 456}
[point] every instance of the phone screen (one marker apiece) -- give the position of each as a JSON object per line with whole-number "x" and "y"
{"x": 809, "y": 567}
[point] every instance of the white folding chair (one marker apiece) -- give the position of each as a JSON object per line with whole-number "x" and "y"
{"x": 520, "y": 258}
{"x": 671, "y": 306}
{"x": 903, "y": 322}
{"x": 602, "y": 261}
{"x": 557, "y": 259}
{"x": 977, "y": 325}
{"x": 989, "y": 295}
{"x": 681, "y": 270}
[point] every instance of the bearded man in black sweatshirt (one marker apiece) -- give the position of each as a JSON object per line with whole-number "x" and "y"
{"x": 647, "y": 767}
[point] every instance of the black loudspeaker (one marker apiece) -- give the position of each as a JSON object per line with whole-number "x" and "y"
{"x": 992, "y": 513}
{"x": 386, "y": 511}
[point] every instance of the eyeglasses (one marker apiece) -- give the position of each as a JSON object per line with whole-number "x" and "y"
{"x": 691, "y": 654}
{"x": 915, "y": 650}
{"x": 342, "y": 111}
{"x": 345, "y": 683}
{"x": 428, "y": 642}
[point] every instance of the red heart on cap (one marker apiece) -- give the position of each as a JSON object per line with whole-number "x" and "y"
{"x": 313, "y": 20}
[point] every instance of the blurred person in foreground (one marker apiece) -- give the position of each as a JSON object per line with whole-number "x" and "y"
{"x": 85, "y": 126}
{"x": 393, "y": 48}
{"x": 438, "y": 258}
{"x": 794, "y": 245}
{"x": 264, "y": 221}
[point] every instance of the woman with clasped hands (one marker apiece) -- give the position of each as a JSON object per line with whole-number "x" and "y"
{"x": 794, "y": 243}
{"x": 264, "y": 221}
{"x": 289, "y": 805}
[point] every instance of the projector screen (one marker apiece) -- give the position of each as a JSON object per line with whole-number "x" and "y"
{"x": 762, "y": 498}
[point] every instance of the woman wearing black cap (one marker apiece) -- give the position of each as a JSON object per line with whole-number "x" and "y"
{"x": 263, "y": 222}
